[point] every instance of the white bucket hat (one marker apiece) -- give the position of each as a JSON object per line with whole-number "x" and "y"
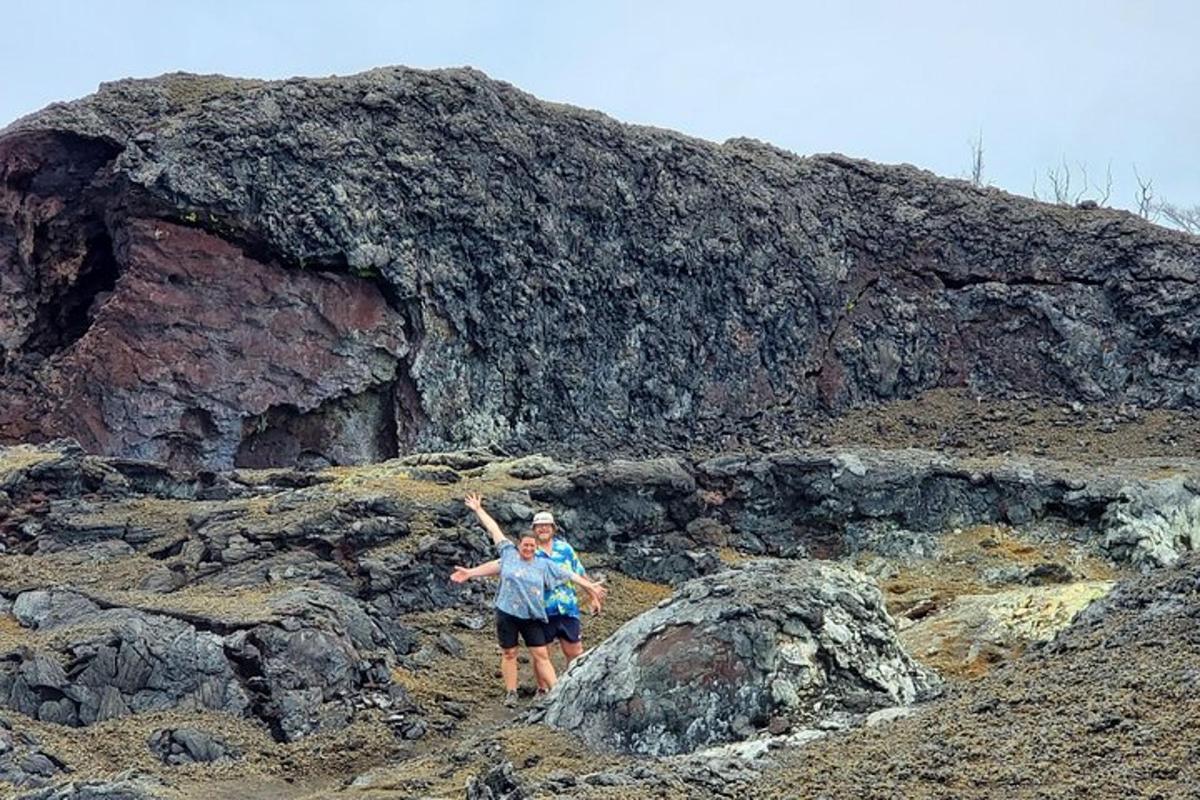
{"x": 543, "y": 518}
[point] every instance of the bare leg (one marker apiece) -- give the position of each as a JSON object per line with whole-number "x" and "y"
{"x": 508, "y": 668}
{"x": 570, "y": 650}
{"x": 542, "y": 667}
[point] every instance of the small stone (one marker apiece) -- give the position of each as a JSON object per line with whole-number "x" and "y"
{"x": 471, "y": 622}
{"x": 450, "y": 645}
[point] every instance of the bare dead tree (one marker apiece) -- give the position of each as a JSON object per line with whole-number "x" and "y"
{"x": 1060, "y": 183}
{"x": 1105, "y": 192}
{"x": 1146, "y": 207}
{"x": 1063, "y": 177}
{"x": 1186, "y": 219}
{"x": 977, "y": 159}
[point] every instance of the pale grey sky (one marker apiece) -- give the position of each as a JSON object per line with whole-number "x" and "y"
{"x": 1097, "y": 82}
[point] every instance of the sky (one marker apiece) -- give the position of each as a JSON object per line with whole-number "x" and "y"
{"x": 1100, "y": 83}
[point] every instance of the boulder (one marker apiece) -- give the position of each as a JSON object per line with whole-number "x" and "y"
{"x": 804, "y": 643}
{"x": 23, "y": 762}
{"x": 189, "y": 746}
{"x": 497, "y": 783}
{"x": 299, "y": 671}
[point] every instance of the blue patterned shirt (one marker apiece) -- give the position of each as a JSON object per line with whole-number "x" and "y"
{"x": 562, "y": 599}
{"x": 524, "y": 584}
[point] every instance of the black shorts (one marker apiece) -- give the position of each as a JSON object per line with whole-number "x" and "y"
{"x": 561, "y": 626}
{"x": 533, "y": 631}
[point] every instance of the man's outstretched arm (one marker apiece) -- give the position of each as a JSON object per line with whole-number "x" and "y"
{"x": 597, "y": 592}
{"x": 475, "y": 503}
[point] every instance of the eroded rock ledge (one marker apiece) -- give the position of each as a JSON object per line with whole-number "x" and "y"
{"x": 213, "y": 272}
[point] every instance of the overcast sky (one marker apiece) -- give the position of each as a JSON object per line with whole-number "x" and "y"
{"x": 1094, "y": 82}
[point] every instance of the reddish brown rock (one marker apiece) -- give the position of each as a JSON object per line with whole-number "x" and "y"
{"x": 202, "y": 355}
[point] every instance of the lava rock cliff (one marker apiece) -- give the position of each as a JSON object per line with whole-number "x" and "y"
{"x": 215, "y": 272}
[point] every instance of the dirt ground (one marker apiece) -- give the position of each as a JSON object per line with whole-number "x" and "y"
{"x": 959, "y": 423}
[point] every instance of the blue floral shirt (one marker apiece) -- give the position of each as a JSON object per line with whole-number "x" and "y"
{"x": 562, "y": 599}
{"x": 523, "y": 584}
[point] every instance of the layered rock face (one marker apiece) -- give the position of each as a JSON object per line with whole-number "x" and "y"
{"x": 771, "y": 645}
{"x": 216, "y": 272}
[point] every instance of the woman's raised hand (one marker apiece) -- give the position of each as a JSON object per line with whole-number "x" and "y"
{"x": 474, "y": 502}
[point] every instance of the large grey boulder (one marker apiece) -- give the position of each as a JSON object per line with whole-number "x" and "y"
{"x": 772, "y": 644}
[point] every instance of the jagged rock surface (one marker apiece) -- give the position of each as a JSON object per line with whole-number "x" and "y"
{"x": 189, "y": 746}
{"x": 23, "y": 762}
{"x": 298, "y": 672}
{"x": 131, "y": 789}
{"x": 772, "y": 643}
{"x": 402, "y": 259}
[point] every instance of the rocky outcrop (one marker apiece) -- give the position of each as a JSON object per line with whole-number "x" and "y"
{"x": 23, "y": 762}
{"x": 128, "y": 789}
{"x": 284, "y": 597}
{"x": 189, "y": 746}
{"x": 211, "y": 271}
{"x": 299, "y": 672}
{"x": 769, "y": 646}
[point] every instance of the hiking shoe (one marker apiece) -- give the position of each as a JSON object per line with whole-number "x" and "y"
{"x": 510, "y": 699}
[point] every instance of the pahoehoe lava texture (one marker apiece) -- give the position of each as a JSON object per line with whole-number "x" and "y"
{"x": 442, "y": 260}
{"x": 774, "y": 642}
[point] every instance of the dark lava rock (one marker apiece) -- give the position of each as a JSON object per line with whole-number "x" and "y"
{"x": 23, "y": 763}
{"x": 490, "y": 268}
{"x": 498, "y": 783}
{"x": 189, "y": 746}
{"x": 299, "y": 673}
{"x": 133, "y": 789}
{"x": 729, "y": 652}
{"x": 450, "y": 645}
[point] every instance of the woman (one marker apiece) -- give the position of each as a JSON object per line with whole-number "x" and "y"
{"x": 520, "y": 606}
{"x": 562, "y": 606}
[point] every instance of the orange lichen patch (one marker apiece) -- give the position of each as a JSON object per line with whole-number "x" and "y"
{"x": 732, "y": 557}
{"x": 164, "y": 517}
{"x": 396, "y": 479}
{"x": 540, "y": 751}
{"x": 22, "y": 456}
{"x": 236, "y": 606}
{"x": 972, "y": 633}
{"x": 964, "y": 557}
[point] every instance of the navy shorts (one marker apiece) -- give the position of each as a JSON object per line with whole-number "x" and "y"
{"x": 561, "y": 626}
{"x": 532, "y": 631}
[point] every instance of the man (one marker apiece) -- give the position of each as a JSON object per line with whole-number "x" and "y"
{"x": 562, "y": 603}
{"x": 520, "y": 603}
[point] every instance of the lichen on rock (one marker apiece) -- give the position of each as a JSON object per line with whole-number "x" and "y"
{"x": 771, "y": 644}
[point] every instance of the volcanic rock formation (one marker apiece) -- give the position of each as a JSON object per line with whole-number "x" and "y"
{"x": 774, "y": 644}
{"x": 214, "y": 272}
{"x": 306, "y": 617}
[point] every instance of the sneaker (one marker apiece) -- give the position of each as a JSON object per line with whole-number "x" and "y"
{"x": 510, "y": 699}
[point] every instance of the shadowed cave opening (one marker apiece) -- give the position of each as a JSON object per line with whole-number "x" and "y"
{"x": 349, "y": 430}
{"x": 65, "y": 319}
